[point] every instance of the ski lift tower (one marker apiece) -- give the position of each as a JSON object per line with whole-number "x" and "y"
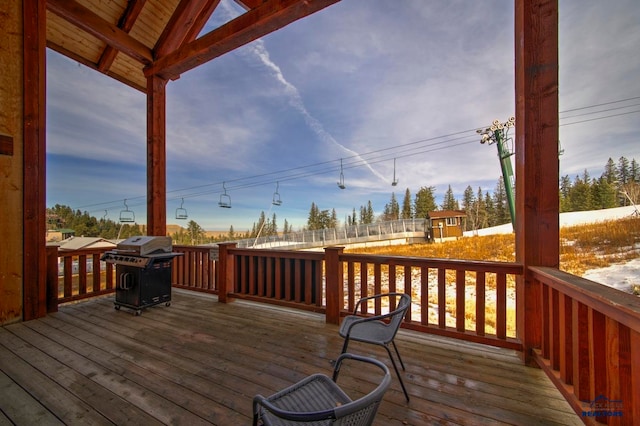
{"x": 498, "y": 133}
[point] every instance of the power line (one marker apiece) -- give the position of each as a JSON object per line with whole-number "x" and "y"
{"x": 358, "y": 160}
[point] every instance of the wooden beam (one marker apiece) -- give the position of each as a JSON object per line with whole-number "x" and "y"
{"x": 268, "y": 17}
{"x": 128, "y": 18}
{"x": 88, "y": 21}
{"x": 537, "y": 167}
{"x": 249, "y": 4}
{"x": 71, "y": 55}
{"x": 34, "y": 158}
{"x": 185, "y": 24}
{"x": 156, "y": 157}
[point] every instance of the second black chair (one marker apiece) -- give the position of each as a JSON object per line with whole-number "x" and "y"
{"x": 378, "y": 329}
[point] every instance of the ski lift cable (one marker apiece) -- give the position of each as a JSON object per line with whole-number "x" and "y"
{"x": 359, "y": 162}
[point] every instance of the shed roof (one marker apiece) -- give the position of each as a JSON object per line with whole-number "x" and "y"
{"x": 439, "y": 214}
{"x": 80, "y": 243}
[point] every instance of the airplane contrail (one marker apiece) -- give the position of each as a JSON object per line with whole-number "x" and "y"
{"x": 295, "y": 100}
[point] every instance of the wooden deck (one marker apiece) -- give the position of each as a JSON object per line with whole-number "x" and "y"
{"x": 200, "y": 362}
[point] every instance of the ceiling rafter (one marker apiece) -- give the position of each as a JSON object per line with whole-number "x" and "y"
{"x": 185, "y": 24}
{"x": 264, "y": 19}
{"x": 90, "y": 22}
{"x": 79, "y": 59}
{"x": 126, "y": 22}
{"x": 250, "y": 4}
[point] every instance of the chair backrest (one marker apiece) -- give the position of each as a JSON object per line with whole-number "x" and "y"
{"x": 362, "y": 411}
{"x": 401, "y": 310}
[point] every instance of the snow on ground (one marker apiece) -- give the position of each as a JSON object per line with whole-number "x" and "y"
{"x": 567, "y": 219}
{"x": 621, "y": 276}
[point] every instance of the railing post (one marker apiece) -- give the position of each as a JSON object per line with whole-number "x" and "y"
{"x": 226, "y": 272}
{"x": 52, "y": 279}
{"x": 334, "y": 290}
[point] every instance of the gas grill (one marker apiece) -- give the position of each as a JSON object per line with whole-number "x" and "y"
{"x": 143, "y": 271}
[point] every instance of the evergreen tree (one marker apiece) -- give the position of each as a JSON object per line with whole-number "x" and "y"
{"x": 392, "y": 209}
{"x": 366, "y": 214}
{"x": 482, "y": 221}
{"x": 231, "y": 235}
{"x": 624, "y": 171}
{"x": 425, "y": 202}
{"x": 468, "y": 204}
{"x": 407, "y": 210}
{"x": 580, "y": 197}
{"x": 491, "y": 213}
{"x": 195, "y": 232}
{"x": 449, "y": 202}
{"x": 565, "y": 194}
{"x": 354, "y": 218}
{"x": 603, "y": 194}
{"x": 286, "y": 228}
{"x": 500, "y": 204}
{"x": 610, "y": 172}
{"x": 634, "y": 171}
{"x": 333, "y": 223}
{"x": 314, "y": 219}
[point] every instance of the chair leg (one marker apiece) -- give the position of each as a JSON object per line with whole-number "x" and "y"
{"x": 398, "y": 353}
{"x": 344, "y": 350}
{"x": 395, "y": 367}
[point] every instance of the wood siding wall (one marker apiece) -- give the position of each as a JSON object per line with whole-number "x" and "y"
{"x": 11, "y": 187}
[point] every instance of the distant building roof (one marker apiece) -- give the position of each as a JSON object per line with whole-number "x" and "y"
{"x": 439, "y": 214}
{"x": 79, "y": 243}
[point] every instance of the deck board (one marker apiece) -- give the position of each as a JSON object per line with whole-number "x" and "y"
{"x": 201, "y": 362}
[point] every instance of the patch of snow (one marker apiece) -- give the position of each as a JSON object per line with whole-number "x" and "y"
{"x": 566, "y": 219}
{"x": 621, "y": 276}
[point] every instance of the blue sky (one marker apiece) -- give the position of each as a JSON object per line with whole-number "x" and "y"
{"x": 362, "y": 82}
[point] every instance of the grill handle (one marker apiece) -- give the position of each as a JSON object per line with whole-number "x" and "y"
{"x": 126, "y": 281}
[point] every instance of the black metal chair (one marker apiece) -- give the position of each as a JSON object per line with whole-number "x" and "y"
{"x": 320, "y": 400}
{"x": 379, "y": 329}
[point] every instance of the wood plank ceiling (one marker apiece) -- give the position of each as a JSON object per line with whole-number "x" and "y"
{"x": 130, "y": 40}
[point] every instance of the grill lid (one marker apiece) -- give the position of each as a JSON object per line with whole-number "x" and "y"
{"x": 145, "y": 245}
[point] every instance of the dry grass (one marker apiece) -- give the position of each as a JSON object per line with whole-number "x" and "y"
{"x": 582, "y": 247}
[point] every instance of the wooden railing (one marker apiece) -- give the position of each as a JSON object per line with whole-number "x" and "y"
{"x": 79, "y": 274}
{"x": 288, "y": 278}
{"x": 590, "y": 345}
{"x": 76, "y": 275}
{"x": 480, "y": 308}
{"x": 195, "y": 269}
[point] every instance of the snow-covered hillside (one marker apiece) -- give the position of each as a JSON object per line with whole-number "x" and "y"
{"x": 621, "y": 276}
{"x": 567, "y": 219}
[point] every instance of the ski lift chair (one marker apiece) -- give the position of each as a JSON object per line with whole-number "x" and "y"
{"x": 394, "y": 182}
{"x": 341, "y": 181}
{"x": 181, "y": 212}
{"x": 225, "y": 199}
{"x": 378, "y": 329}
{"x": 320, "y": 400}
{"x": 127, "y": 215}
{"x": 276, "y": 201}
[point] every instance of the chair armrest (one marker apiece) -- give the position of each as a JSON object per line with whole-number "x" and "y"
{"x": 347, "y": 355}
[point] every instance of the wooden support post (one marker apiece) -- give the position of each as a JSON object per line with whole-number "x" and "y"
{"x": 34, "y": 157}
{"x": 335, "y": 291}
{"x": 536, "y": 154}
{"x": 52, "y": 279}
{"x": 156, "y": 156}
{"x": 226, "y": 272}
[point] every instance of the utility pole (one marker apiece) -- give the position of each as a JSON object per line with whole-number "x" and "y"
{"x": 498, "y": 133}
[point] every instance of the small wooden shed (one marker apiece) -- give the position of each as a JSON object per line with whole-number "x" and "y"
{"x": 447, "y": 223}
